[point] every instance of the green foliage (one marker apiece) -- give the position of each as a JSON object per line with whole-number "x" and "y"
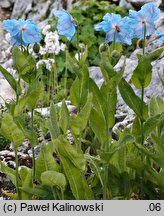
{"x": 86, "y": 21}
{"x": 142, "y": 75}
{"x": 24, "y": 64}
{"x": 53, "y": 124}
{"x": 78, "y": 123}
{"x": 103, "y": 161}
{"x": 132, "y": 100}
{"x": 52, "y": 178}
{"x": 74, "y": 166}
{"x": 45, "y": 161}
{"x": 14, "y": 85}
{"x": 10, "y": 130}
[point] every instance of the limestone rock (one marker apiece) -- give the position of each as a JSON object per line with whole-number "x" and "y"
{"x": 21, "y": 9}
{"x": 40, "y": 11}
{"x": 139, "y": 3}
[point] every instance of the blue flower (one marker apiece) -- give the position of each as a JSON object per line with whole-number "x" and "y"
{"x": 66, "y": 25}
{"x": 161, "y": 34}
{"x": 22, "y": 31}
{"x": 148, "y": 14}
{"x": 116, "y": 28}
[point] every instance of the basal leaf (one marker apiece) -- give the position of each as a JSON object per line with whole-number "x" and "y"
{"x": 53, "y": 178}
{"x": 64, "y": 117}
{"x": 65, "y": 149}
{"x": 45, "y": 161}
{"x": 98, "y": 125}
{"x": 76, "y": 179}
{"x": 78, "y": 122}
{"x": 53, "y": 123}
{"x": 9, "y": 172}
{"x": 11, "y": 131}
{"x": 152, "y": 123}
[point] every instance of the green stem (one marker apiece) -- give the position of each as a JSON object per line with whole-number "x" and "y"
{"x": 54, "y": 193}
{"x": 33, "y": 151}
{"x": 21, "y": 41}
{"x": 144, "y": 40}
{"x": 142, "y": 103}
{"x": 114, "y": 41}
{"x": 62, "y": 194}
{"x": 142, "y": 90}
{"x": 65, "y": 75}
{"x": 106, "y": 149}
{"x": 78, "y": 47}
{"x": 17, "y": 91}
{"x": 17, "y": 174}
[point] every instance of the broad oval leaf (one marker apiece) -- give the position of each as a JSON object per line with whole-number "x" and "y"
{"x": 53, "y": 178}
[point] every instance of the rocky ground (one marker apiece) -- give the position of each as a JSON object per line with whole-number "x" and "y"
{"x": 39, "y": 11}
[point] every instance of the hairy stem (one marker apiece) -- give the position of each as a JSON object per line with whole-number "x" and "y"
{"x": 65, "y": 75}
{"x": 17, "y": 173}
{"x": 33, "y": 151}
{"x": 78, "y": 47}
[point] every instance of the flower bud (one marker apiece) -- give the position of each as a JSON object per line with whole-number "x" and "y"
{"x": 36, "y": 48}
{"x": 115, "y": 54}
{"x": 103, "y": 48}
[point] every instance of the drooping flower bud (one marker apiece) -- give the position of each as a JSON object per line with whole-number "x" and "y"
{"x": 36, "y": 48}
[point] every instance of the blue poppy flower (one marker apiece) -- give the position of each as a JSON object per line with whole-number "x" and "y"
{"x": 66, "y": 24}
{"x": 148, "y": 14}
{"x": 161, "y": 34}
{"x": 116, "y": 28}
{"x": 22, "y": 31}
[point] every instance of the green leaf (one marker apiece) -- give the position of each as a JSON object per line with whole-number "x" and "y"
{"x": 11, "y": 131}
{"x": 45, "y": 161}
{"x": 74, "y": 165}
{"x": 22, "y": 62}
{"x": 65, "y": 149}
{"x": 156, "y": 106}
{"x": 98, "y": 125}
{"x": 84, "y": 56}
{"x": 53, "y": 124}
{"x": 77, "y": 181}
{"x": 132, "y": 100}
{"x": 125, "y": 140}
{"x": 72, "y": 65}
{"x": 136, "y": 129}
{"x": 74, "y": 92}
{"x": 9, "y": 172}
{"x": 39, "y": 191}
{"x": 152, "y": 123}
{"x": 95, "y": 166}
{"x": 10, "y": 79}
{"x": 98, "y": 99}
{"x": 106, "y": 67}
{"x": 111, "y": 107}
{"x": 30, "y": 99}
{"x": 78, "y": 123}
{"x": 79, "y": 88}
{"x": 142, "y": 75}
{"x": 52, "y": 178}
{"x": 26, "y": 181}
{"x": 158, "y": 157}
{"x": 64, "y": 117}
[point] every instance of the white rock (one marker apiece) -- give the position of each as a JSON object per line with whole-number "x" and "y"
{"x": 6, "y": 92}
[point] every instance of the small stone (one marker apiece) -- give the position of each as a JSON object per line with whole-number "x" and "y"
{"x": 36, "y": 150}
{"x": 4, "y": 152}
{"x": 11, "y": 164}
{"x": 5, "y": 4}
{"x": 6, "y": 159}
